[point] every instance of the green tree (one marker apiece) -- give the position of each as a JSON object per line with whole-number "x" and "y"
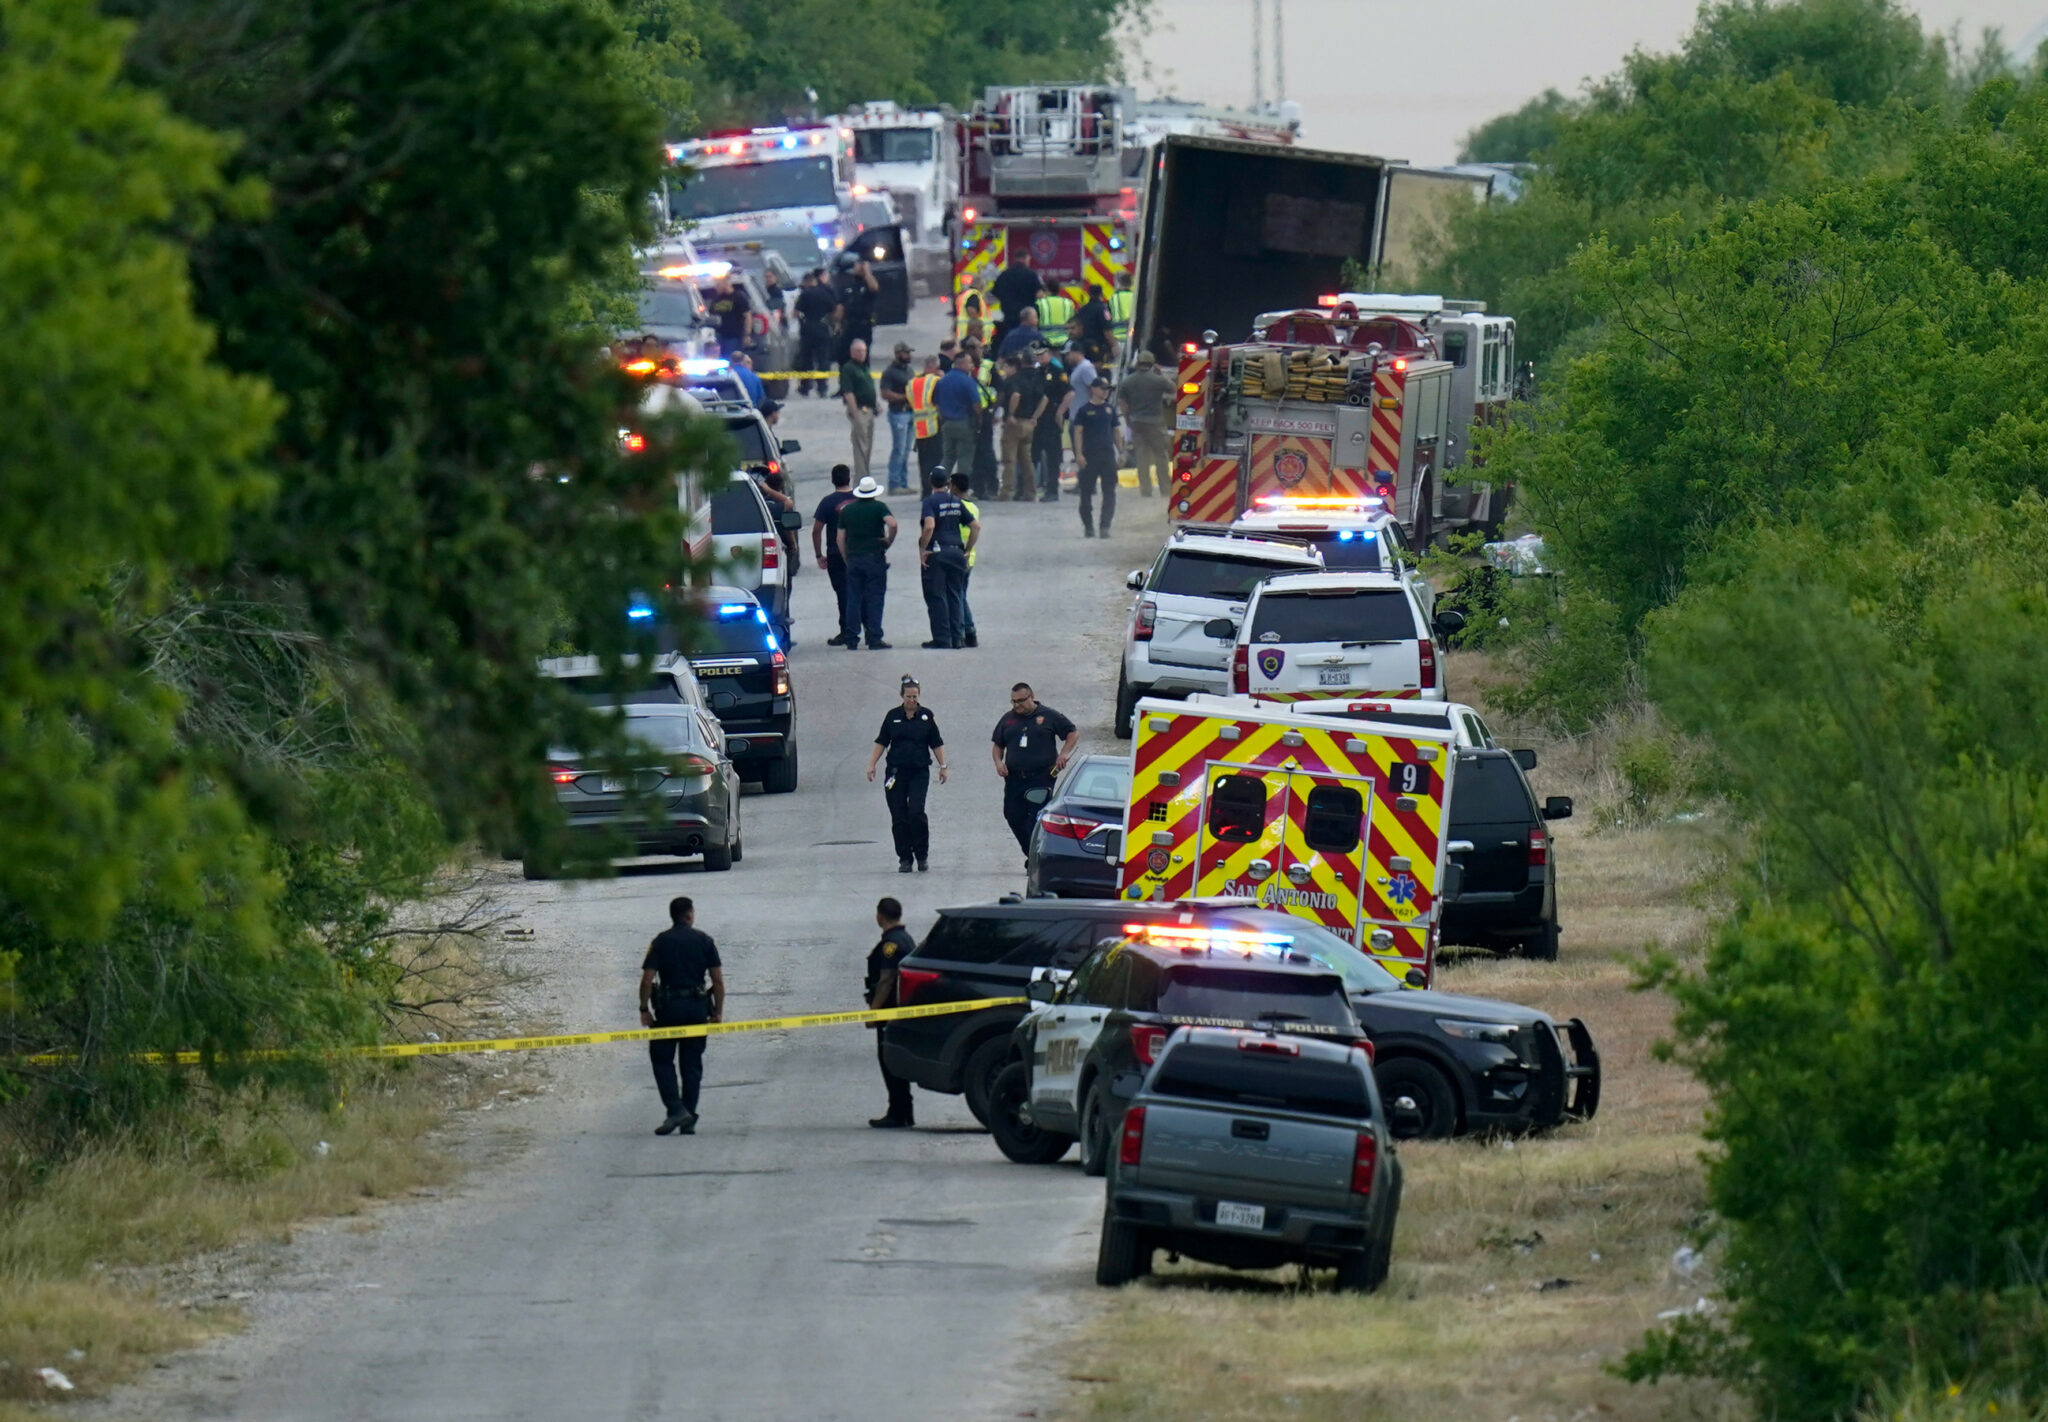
{"x": 1520, "y": 135}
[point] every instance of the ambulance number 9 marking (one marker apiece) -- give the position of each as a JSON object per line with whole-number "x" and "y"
{"x": 1411, "y": 777}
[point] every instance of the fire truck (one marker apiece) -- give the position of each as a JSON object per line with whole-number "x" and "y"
{"x": 1325, "y": 403}
{"x": 1480, "y": 348}
{"x": 1325, "y": 814}
{"x": 1042, "y": 172}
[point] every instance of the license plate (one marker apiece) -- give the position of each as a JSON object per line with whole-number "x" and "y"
{"x": 1334, "y": 676}
{"x": 1236, "y": 1216}
{"x": 612, "y": 785}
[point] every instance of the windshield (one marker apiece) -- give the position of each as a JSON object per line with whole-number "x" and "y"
{"x": 1371, "y": 615}
{"x": 1205, "y": 1073}
{"x": 661, "y": 691}
{"x": 751, "y": 438}
{"x": 1488, "y": 790}
{"x": 665, "y": 307}
{"x": 1190, "y": 574}
{"x": 731, "y": 633}
{"x": 664, "y": 731}
{"x": 1108, "y": 780}
{"x": 1229, "y": 995}
{"x": 1350, "y": 551}
{"x": 753, "y": 187}
{"x": 892, "y": 145}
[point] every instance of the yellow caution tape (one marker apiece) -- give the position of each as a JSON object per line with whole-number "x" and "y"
{"x": 796, "y": 374}
{"x": 575, "y": 1039}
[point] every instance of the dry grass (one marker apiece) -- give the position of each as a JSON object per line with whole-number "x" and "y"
{"x": 1464, "y": 1327}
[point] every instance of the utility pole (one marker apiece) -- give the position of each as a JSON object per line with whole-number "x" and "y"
{"x": 1279, "y": 53}
{"x": 1258, "y": 54}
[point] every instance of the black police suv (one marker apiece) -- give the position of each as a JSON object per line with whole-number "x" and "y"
{"x": 1447, "y": 1064}
{"x": 1077, "y": 845}
{"x": 744, "y": 671}
{"x": 1112, "y": 1016}
{"x": 1501, "y": 839}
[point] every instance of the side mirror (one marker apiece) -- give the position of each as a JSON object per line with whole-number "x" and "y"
{"x": 1453, "y": 884}
{"x": 1136, "y": 579}
{"x": 1449, "y": 624}
{"x": 1415, "y": 978}
{"x": 1526, "y": 759}
{"x": 1041, "y": 990}
{"x": 1557, "y": 807}
{"x": 1221, "y": 628}
{"x": 789, "y": 520}
{"x": 1126, "y": 1084}
{"x": 790, "y": 446}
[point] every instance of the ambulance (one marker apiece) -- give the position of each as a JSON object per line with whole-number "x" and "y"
{"x": 1332, "y": 815}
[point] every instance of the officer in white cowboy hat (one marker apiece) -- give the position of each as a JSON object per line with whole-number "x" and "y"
{"x": 866, "y": 529}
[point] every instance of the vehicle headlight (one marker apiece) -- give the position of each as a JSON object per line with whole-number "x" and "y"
{"x": 1497, "y": 1032}
{"x": 824, "y": 244}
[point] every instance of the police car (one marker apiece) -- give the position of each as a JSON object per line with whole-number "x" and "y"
{"x": 1339, "y": 635}
{"x": 1203, "y": 573}
{"x": 1354, "y": 535}
{"x": 744, "y": 672}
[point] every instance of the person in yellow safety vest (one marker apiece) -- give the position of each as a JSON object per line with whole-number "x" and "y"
{"x": 1055, "y": 309}
{"x": 1122, "y": 302}
{"x": 970, "y": 314}
{"x": 924, "y": 418}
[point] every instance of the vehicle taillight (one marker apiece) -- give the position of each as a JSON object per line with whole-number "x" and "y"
{"x": 1146, "y": 1042}
{"x": 1148, "y": 616}
{"x": 1184, "y": 466}
{"x": 774, "y": 466}
{"x": 1365, "y": 1161}
{"x": 1134, "y": 1137}
{"x": 912, "y": 981}
{"x": 1241, "y": 671}
{"x": 563, "y": 774}
{"x": 1539, "y": 848}
{"x": 771, "y": 556}
{"x": 692, "y": 766}
{"x": 1364, "y": 1044}
{"x": 1426, "y": 649}
{"x": 1069, "y": 826}
{"x": 1270, "y": 1047}
{"x": 782, "y": 681}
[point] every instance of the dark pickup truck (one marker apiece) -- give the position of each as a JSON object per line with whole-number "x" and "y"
{"x": 1250, "y": 1150}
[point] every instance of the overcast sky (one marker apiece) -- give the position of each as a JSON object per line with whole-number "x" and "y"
{"x": 1407, "y": 78}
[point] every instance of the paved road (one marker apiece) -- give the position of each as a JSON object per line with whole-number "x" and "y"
{"x": 785, "y": 1262}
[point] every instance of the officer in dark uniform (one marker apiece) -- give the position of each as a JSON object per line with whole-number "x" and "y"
{"x": 673, "y": 994}
{"x": 910, "y": 738}
{"x": 883, "y": 959}
{"x": 1030, "y": 747}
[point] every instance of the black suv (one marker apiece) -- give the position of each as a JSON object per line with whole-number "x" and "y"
{"x": 1446, "y": 1064}
{"x": 1117, "y": 1009}
{"x": 1501, "y": 838}
{"x": 745, "y": 676}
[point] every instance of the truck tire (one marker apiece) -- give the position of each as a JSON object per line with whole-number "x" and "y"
{"x": 780, "y": 778}
{"x": 1026, "y": 1144}
{"x": 978, "y": 1077}
{"x": 1542, "y": 944}
{"x": 1126, "y": 708}
{"x": 1118, "y": 1258}
{"x": 1378, "y": 1256}
{"x": 1095, "y": 1142}
{"x": 1433, "y": 1115}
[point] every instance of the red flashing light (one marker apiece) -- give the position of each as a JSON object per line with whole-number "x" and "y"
{"x": 774, "y": 466}
{"x": 1133, "y": 1143}
{"x": 739, "y": 146}
{"x": 968, "y": 215}
{"x": 1146, "y": 1042}
{"x": 563, "y": 775}
{"x": 1327, "y": 299}
{"x": 912, "y": 981}
{"x": 1188, "y": 348}
{"x": 1365, "y": 1163}
{"x": 633, "y": 443}
{"x": 1426, "y": 649}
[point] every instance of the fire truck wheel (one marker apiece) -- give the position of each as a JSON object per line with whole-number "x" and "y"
{"x": 1126, "y": 709}
{"x": 1421, "y": 1105}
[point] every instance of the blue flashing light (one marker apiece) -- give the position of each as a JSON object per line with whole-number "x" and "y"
{"x": 789, "y": 142}
{"x": 706, "y": 367}
{"x": 735, "y": 609}
{"x": 639, "y": 614}
{"x": 760, "y": 617}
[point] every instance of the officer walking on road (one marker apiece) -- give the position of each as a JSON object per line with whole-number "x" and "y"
{"x": 883, "y": 960}
{"x": 946, "y": 535}
{"x": 825, "y": 543}
{"x": 1030, "y": 748}
{"x": 673, "y": 994}
{"x": 910, "y": 739}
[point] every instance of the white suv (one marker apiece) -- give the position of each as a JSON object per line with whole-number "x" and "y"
{"x": 1202, "y": 574}
{"x": 1338, "y": 635}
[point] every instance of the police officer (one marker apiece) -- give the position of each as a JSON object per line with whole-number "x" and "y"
{"x": 946, "y": 535}
{"x": 883, "y": 960}
{"x": 673, "y": 994}
{"x": 1030, "y": 747}
{"x": 910, "y": 738}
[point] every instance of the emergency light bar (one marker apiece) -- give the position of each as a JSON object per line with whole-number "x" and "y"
{"x": 734, "y": 609}
{"x": 706, "y": 367}
{"x": 1195, "y": 939}
{"x": 692, "y": 271}
{"x": 1334, "y": 503}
